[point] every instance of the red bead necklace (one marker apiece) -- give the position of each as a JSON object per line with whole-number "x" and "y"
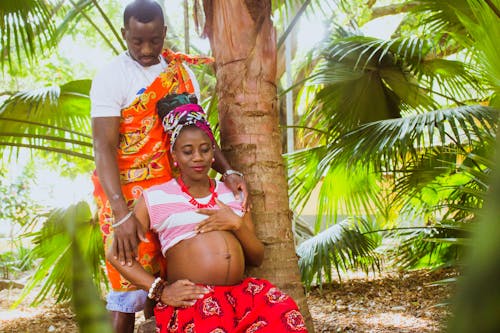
{"x": 193, "y": 201}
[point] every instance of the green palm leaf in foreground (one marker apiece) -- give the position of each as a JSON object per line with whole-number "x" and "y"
{"x": 70, "y": 238}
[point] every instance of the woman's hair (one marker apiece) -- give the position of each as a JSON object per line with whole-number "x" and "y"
{"x": 183, "y": 116}
{"x": 171, "y": 101}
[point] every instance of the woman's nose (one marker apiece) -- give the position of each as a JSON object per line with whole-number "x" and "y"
{"x": 196, "y": 155}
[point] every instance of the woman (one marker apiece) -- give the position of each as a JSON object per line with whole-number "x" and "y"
{"x": 204, "y": 288}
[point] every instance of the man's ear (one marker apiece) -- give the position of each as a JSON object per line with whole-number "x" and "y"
{"x": 164, "y": 34}
{"x": 123, "y": 32}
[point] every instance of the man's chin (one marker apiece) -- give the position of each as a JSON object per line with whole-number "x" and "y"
{"x": 146, "y": 62}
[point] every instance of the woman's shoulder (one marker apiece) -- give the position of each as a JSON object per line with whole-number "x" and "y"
{"x": 170, "y": 186}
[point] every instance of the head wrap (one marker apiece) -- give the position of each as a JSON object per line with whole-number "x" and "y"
{"x": 186, "y": 115}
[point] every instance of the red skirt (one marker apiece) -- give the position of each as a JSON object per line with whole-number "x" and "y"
{"x": 255, "y": 305}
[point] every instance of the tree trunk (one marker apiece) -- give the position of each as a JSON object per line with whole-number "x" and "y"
{"x": 243, "y": 42}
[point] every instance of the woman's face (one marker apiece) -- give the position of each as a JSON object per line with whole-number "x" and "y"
{"x": 193, "y": 152}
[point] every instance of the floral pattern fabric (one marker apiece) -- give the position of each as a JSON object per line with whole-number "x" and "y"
{"x": 255, "y": 305}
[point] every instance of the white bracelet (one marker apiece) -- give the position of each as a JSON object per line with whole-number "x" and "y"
{"x": 231, "y": 172}
{"x": 123, "y": 220}
{"x": 153, "y": 286}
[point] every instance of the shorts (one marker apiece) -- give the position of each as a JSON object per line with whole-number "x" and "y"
{"x": 126, "y": 301}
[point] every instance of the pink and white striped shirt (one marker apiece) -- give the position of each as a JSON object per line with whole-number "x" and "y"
{"x": 173, "y": 217}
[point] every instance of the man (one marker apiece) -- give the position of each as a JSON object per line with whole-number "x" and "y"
{"x": 130, "y": 145}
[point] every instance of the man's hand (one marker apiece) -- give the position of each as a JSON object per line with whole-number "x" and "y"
{"x": 126, "y": 240}
{"x": 239, "y": 187}
{"x": 182, "y": 293}
{"x": 218, "y": 219}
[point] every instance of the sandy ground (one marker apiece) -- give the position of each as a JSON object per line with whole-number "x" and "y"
{"x": 389, "y": 302}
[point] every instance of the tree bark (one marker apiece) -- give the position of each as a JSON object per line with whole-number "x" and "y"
{"x": 243, "y": 42}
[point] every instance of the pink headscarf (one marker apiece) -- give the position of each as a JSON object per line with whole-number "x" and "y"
{"x": 184, "y": 115}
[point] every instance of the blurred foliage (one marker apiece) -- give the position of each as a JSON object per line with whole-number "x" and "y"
{"x": 16, "y": 205}
{"x": 15, "y": 261}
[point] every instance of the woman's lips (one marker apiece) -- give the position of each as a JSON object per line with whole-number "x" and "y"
{"x": 199, "y": 168}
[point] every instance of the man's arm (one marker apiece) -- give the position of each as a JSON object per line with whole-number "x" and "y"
{"x": 105, "y": 132}
{"x": 235, "y": 182}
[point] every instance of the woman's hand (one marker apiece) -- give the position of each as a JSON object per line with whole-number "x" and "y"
{"x": 182, "y": 293}
{"x": 219, "y": 219}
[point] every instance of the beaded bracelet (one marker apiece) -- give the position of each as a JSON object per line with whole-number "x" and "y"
{"x": 123, "y": 220}
{"x": 151, "y": 292}
{"x": 159, "y": 290}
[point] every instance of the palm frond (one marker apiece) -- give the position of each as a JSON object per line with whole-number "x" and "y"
{"x": 484, "y": 28}
{"x": 340, "y": 247}
{"x": 413, "y": 60}
{"x": 305, "y": 174}
{"x": 81, "y": 9}
{"x": 394, "y": 141}
{"x": 54, "y": 119}
{"x": 67, "y": 230}
{"x": 441, "y": 16}
{"x": 26, "y": 28}
{"x": 435, "y": 245}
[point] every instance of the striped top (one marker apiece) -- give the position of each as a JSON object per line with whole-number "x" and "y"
{"x": 173, "y": 217}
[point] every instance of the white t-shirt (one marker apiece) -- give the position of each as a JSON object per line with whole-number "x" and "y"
{"x": 117, "y": 84}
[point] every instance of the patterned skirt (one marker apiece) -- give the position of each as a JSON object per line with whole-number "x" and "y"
{"x": 255, "y": 305}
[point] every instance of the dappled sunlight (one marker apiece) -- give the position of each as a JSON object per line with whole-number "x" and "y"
{"x": 17, "y": 314}
{"x": 397, "y": 320}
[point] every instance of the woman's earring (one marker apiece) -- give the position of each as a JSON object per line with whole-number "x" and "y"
{"x": 213, "y": 159}
{"x": 176, "y": 164}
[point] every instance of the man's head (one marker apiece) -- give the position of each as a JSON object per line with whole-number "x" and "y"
{"x": 144, "y": 31}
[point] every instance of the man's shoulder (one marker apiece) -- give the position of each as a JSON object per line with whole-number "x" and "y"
{"x": 116, "y": 65}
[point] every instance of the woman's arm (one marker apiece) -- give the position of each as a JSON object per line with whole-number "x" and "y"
{"x": 252, "y": 246}
{"x": 242, "y": 227}
{"x": 179, "y": 293}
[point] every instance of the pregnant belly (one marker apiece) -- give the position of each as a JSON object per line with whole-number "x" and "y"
{"x": 214, "y": 258}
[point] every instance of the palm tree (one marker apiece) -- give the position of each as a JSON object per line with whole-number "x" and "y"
{"x": 243, "y": 42}
{"x": 279, "y": 238}
{"x": 405, "y": 140}
{"x": 403, "y": 73}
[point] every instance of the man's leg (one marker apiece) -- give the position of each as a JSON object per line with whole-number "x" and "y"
{"x": 123, "y": 305}
{"x": 123, "y": 322}
{"x": 149, "y": 308}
